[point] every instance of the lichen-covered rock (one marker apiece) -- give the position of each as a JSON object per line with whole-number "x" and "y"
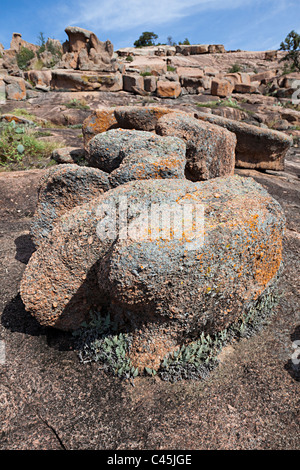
{"x": 62, "y": 188}
{"x": 210, "y": 150}
{"x": 143, "y": 118}
{"x": 145, "y": 165}
{"x": 101, "y": 120}
{"x": 256, "y": 147}
{"x": 107, "y": 151}
{"x": 169, "y": 286}
{"x": 15, "y": 88}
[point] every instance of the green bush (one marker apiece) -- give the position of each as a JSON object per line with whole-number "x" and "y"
{"x": 24, "y": 56}
{"x": 235, "y": 68}
{"x": 77, "y": 104}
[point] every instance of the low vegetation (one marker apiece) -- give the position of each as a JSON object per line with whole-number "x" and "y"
{"x": 77, "y": 104}
{"x": 20, "y": 147}
{"x": 99, "y": 341}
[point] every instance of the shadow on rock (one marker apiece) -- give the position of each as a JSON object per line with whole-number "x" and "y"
{"x": 24, "y": 248}
{"x": 16, "y": 319}
{"x": 293, "y": 364}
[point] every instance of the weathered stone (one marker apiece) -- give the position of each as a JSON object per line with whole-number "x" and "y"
{"x": 243, "y": 88}
{"x": 108, "y": 150}
{"x": 263, "y": 76}
{"x": 101, "y": 120}
{"x": 90, "y": 52}
{"x": 130, "y": 81}
{"x": 210, "y": 152}
{"x": 68, "y": 155}
{"x": 72, "y": 80}
{"x": 192, "y": 49}
{"x": 150, "y": 84}
{"x": 146, "y": 164}
{"x": 216, "y": 49}
{"x": 61, "y": 188}
{"x": 15, "y": 88}
{"x": 189, "y": 72}
{"x": 221, "y": 87}
{"x": 17, "y": 43}
{"x": 191, "y": 83}
{"x": 256, "y": 147}
{"x": 205, "y": 82}
{"x": 2, "y": 91}
{"x": 168, "y": 289}
{"x": 271, "y": 55}
{"x": 143, "y": 118}
{"x": 167, "y": 89}
{"x": 39, "y": 77}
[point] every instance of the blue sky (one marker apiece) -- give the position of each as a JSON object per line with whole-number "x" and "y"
{"x": 238, "y": 24}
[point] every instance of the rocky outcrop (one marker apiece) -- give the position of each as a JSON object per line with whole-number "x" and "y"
{"x": 84, "y": 51}
{"x": 17, "y": 43}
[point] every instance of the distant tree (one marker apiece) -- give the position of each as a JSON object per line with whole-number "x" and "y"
{"x": 145, "y": 39}
{"x": 42, "y": 43}
{"x": 170, "y": 41}
{"x": 41, "y": 39}
{"x": 291, "y": 44}
{"x": 186, "y": 42}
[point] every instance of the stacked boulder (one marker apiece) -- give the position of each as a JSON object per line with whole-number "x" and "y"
{"x": 156, "y": 231}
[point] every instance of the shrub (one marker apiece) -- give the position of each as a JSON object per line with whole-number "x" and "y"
{"x": 23, "y": 57}
{"x": 129, "y": 58}
{"x": 235, "y": 68}
{"x": 170, "y": 68}
{"x": 77, "y": 104}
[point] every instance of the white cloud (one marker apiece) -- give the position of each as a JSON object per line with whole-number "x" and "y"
{"x": 108, "y": 15}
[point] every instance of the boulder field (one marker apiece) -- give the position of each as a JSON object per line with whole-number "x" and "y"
{"x": 132, "y": 235}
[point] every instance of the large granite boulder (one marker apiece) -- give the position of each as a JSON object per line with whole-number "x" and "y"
{"x": 143, "y": 118}
{"x": 210, "y": 149}
{"x": 75, "y": 80}
{"x": 256, "y": 147}
{"x": 108, "y": 150}
{"x": 166, "y": 283}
